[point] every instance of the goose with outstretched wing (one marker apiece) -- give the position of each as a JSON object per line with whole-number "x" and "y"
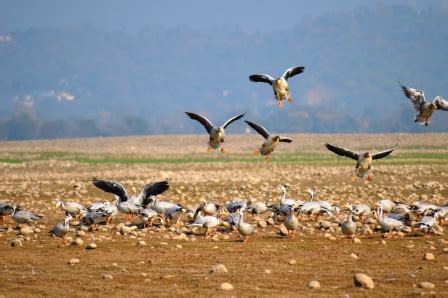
{"x": 424, "y": 108}
{"x": 280, "y": 85}
{"x": 271, "y": 141}
{"x": 363, "y": 160}
{"x": 216, "y": 133}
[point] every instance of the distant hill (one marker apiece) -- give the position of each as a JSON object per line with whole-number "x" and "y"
{"x": 83, "y": 81}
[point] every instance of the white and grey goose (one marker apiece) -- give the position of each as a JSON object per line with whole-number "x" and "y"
{"x": 73, "y": 208}
{"x": 207, "y": 208}
{"x": 216, "y": 133}
{"x": 127, "y": 204}
{"x": 270, "y": 142}
{"x": 23, "y": 216}
{"x": 279, "y": 85}
{"x": 245, "y": 229}
{"x": 291, "y": 222}
{"x": 348, "y": 226}
{"x": 424, "y": 108}
{"x": 363, "y": 161}
{"x": 389, "y": 224}
{"x": 428, "y": 222}
{"x": 362, "y": 211}
{"x": 208, "y": 222}
{"x": 61, "y": 229}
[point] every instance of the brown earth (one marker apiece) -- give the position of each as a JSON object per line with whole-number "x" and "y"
{"x": 162, "y": 268}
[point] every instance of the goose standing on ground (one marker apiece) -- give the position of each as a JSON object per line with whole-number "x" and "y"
{"x": 207, "y": 208}
{"x": 270, "y": 142}
{"x": 348, "y": 226}
{"x": 424, "y": 108}
{"x": 291, "y": 222}
{"x": 258, "y": 207}
{"x": 148, "y": 216}
{"x": 280, "y": 85}
{"x": 22, "y": 216}
{"x": 236, "y": 205}
{"x": 363, "y": 161}
{"x": 6, "y": 210}
{"x": 127, "y": 204}
{"x": 216, "y": 133}
{"x": 62, "y": 228}
{"x": 389, "y": 224}
{"x": 428, "y": 222}
{"x": 362, "y": 211}
{"x": 73, "y": 208}
{"x": 208, "y": 222}
{"x": 245, "y": 229}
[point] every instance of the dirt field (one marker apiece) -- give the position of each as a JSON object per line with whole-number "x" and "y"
{"x": 35, "y": 173}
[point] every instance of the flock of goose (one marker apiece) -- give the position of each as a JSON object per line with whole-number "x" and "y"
{"x": 146, "y": 210}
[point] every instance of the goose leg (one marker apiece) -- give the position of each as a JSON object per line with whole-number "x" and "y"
{"x": 354, "y": 178}
{"x": 209, "y": 149}
{"x": 266, "y": 157}
{"x": 222, "y": 150}
{"x": 370, "y": 177}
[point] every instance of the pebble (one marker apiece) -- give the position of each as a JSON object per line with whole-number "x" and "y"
{"x": 37, "y": 230}
{"x": 445, "y": 249}
{"x": 270, "y": 221}
{"x": 73, "y": 261}
{"x": 218, "y": 269}
{"x": 292, "y": 262}
{"x": 80, "y": 233}
{"x": 225, "y": 286}
{"x": 91, "y": 246}
{"x": 428, "y": 256}
{"x": 178, "y": 246}
{"x": 141, "y": 243}
{"x": 107, "y": 276}
{"x": 354, "y": 256}
{"x": 16, "y": 243}
{"x": 426, "y": 285}
{"x": 363, "y": 281}
{"x": 356, "y": 240}
{"x": 314, "y": 284}
{"x": 78, "y": 241}
{"x": 261, "y": 224}
{"x": 283, "y": 230}
{"x": 267, "y": 271}
{"x": 26, "y": 231}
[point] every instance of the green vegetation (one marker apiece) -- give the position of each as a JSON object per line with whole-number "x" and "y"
{"x": 284, "y": 158}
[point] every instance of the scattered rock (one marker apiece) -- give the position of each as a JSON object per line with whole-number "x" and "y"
{"x": 107, "y": 276}
{"x": 356, "y": 240}
{"x": 141, "y": 243}
{"x": 218, "y": 269}
{"x": 225, "y": 286}
{"x": 16, "y": 243}
{"x": 354, "y": 256}
{"x": 292, "y": 262}
{"x": 283, "y": 230}
{"x": 78, "y": 241}
{"x": 80, "y": 233}
{"x": 26, "y": 231}
{"x": 261, "y": 224}
{"x": 426, "y": 285}
{"x": 428, "y": 256}
{"x": 314, "y": 284}
{"x": 363, "y": 281}
{"x": 91, "y": 246}
{"x": 267, "y": 271}
{"x": 178, "y": 246}
{"x": 73, "y": 261}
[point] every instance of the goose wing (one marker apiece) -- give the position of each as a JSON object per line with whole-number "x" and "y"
{"x": 285, "y": 140}
{"x": 264, "y": 78}
{"x": 201, "y": 119}
{"x": 111, "y": 187}
{"x": 343, "y": 151}
{"x": 151, "y": 189}
{"x": 417, "y": 97}
{"x": 290, "y": 72}
{"x": 228, "y": 122}
{"x": 384, "y": 153}
{"x": 258, "y": 128}
{"x": 441, "y": 103}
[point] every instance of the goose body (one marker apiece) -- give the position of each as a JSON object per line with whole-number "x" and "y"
{"x": 245, "y": 229}
{"x": 23, "y": 216}
{"x": 61, "y": 229}
{"x": 389, "y": 224}
{"x": 348, "y": 226}
{"x": 279, "y": 85}
{"x": 216, "y": 133}
{"x": 270, "y": 142}
{"x": 73, "y": 208}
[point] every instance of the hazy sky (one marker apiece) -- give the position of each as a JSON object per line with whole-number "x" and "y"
{"x": 133, "y": 15}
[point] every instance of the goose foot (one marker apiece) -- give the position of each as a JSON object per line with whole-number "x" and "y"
{"x": 222, "y": 150}
{"x": 370, "y": 177}
{"x": 354, "y": 178}
{"x": 209, "y": 149}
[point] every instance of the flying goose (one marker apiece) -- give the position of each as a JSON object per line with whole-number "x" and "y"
{"x": 280, "y": 85}
{"x": 363, "y": 161}
{"x": 62, "y": 228}
{"x": 216, "y": 133}
{"x": 348, "y": 226}
{"x": 127, "y": 204}
{"x": 270, "y": 142}
{"x": 6, "y": 210}
{"x": 22, "y": 216}
{"x": 424, "y": 108}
